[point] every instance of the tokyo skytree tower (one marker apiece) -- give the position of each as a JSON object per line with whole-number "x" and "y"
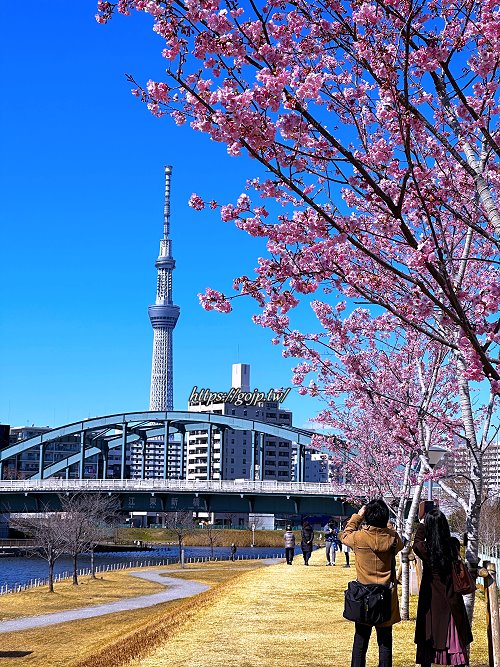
{"x": 163, "y": 316}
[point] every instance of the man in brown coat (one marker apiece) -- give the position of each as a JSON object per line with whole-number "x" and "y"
{"x": 374, "y": 546}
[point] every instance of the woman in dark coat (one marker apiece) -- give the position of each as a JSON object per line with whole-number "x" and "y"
{"x": 442, "y": 632}
{"x": 306, "y": 542}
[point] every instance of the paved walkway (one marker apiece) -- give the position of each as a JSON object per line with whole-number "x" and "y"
{"x": 177, "y": 588}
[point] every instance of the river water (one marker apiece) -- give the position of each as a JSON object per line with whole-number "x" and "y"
{"x": 22, "y": 569}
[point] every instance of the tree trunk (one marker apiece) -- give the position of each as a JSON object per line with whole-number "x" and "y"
{"x": 405, "y": 562}
{"x": 51, "y": 575}
{"x": 476, "y": 481}
{"x": 92, "y": 562}
{"x": 75, "y": 569}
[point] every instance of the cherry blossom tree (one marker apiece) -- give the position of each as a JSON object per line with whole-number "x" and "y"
{"x": 375, "y": 123}
{"x": 389, "y": 399}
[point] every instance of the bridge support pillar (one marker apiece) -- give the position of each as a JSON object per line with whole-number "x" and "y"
{"x": 222, "y": 431}
{"x": 255, "y": 436}
{"x": 209, "y": 452}
{"x": 261, "y": 456}
{"x": 123, "y": 450}
{"x": 105, "y": 453}
{"x": 41, "y": 463}
{"x": 166, "y": 436}
{"x": 301, "y": 463}
{"x": 143, "y": 457}
{"x": 182, "y": 472}
{"x": 82, "y": 455}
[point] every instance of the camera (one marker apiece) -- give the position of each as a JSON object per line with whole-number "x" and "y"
{"x": 424, "y": 507}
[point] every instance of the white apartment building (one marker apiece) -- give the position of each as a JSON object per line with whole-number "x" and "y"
{"x": 459, "y": 462}
{"x": 242, "y": 455}
{"x": 316, "y": 467}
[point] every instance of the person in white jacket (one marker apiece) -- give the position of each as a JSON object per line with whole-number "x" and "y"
{"x": 289, "y": 545}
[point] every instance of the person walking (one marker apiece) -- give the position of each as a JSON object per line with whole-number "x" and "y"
{"x": 232, "y": 550}
{"x": 306, "y": 542}
{"x": 375, "y": 547}
{"x": 442, "y": 630}
{"x": 289, "y": 545}
{"x": 331, "y": 542}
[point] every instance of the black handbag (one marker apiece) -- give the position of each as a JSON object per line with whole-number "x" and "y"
{"x": 370, "y": 604}
{"x": 367, "y": 603}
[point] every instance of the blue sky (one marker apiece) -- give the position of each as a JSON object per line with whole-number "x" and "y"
{"x": 81, "y": 207}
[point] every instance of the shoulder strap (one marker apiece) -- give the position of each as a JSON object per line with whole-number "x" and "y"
{"x": 393, "y": 564}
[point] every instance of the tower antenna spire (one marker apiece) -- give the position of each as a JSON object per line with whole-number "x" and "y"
{"x": 166, "y": 206}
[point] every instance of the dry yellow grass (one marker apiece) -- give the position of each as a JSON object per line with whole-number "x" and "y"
{"x": 81, "y": 642}
{"x": 107, "y": 587}
{"x": 282, "y": 615}
{"x": 268, "y": 617}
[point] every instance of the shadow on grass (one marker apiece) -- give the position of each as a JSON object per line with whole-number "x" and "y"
{"x": 14, "y": 654}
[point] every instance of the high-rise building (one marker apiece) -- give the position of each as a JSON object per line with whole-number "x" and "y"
{"x": 457, "y": 466}
{"x": 163, "y": 316}
{"x": 216, "y": 453}
{"x": 316, "y": 467}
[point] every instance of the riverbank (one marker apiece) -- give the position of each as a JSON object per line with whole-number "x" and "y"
{"x": 66, "y": 644}
{"x": 202, "y": 537}
{"x": 107, "y": 587}
{"x": 17, "y": 573}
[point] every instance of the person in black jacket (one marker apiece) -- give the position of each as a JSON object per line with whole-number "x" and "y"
{"x": 442, "y": 631}
{"x": 306, "y": 542}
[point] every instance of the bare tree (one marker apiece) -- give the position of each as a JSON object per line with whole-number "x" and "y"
{"x": 213, "y": 537}
{"x": 490, "y": 522}
{"x": 47, "y": 531}
{"x": 84, "y": 524}
{"x": 180, "y": 523}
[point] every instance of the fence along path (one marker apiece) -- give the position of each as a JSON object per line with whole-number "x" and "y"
{"x": 44, "y": 581}
{"x": 491, "y": 553}
{"x": 177, "y": 588}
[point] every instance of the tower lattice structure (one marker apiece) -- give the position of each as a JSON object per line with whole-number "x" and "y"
{"x": 163, "y": 316}
{"x": 147, "y": 457}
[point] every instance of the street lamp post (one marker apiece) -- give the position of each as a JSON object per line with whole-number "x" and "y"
{"x": 253, "y": 534}
{"x": 435, "y": 454}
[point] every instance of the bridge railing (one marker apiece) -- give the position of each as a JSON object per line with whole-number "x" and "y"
{"x": 53, "y": 484}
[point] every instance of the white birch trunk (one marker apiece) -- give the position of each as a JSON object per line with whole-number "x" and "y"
{"x": 476, "y": 480}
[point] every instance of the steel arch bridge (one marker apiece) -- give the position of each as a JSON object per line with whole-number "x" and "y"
{"x": 100, "y": 435}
